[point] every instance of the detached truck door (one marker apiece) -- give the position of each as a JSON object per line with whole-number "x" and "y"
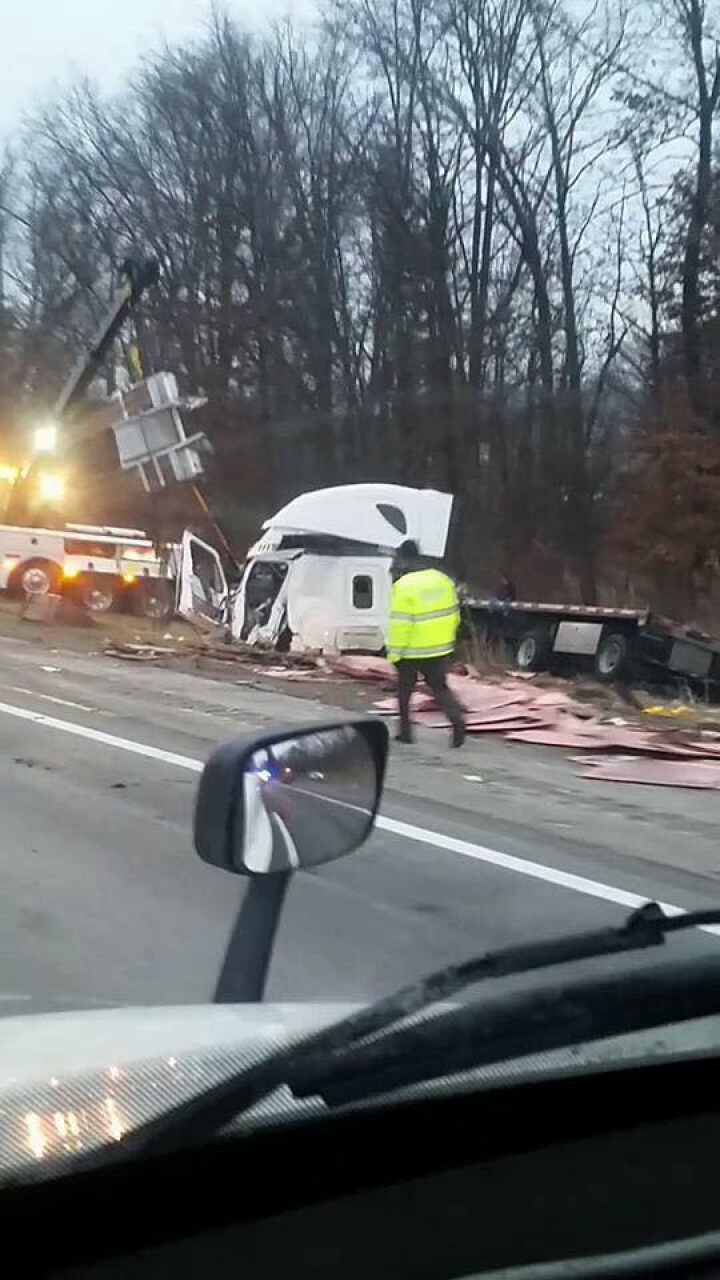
{"x": 201, "y": 583}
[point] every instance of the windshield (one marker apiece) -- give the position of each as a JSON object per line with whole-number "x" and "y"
{"x": 450, "y": 247}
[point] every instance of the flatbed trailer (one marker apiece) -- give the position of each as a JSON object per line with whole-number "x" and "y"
{"x": 617, "y": 644}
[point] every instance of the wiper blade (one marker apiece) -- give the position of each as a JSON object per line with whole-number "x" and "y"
{"x": 204, "y": 1114}
{"x": 545, "y": 1019}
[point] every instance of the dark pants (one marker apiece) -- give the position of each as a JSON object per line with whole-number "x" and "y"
{"x": 434, "y": 670}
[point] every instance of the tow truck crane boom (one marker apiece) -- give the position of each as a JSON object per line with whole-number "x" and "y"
{"x": 135, "y": 279}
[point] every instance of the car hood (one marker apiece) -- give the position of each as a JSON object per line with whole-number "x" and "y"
{"x": 61, "y": 1044}
{"x": 71, "y": 1082}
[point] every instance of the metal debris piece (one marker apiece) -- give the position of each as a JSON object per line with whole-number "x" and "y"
{"x": 138, "y": 652}
{"x": 660, "y": 773}
{"x": 40, "y": 608}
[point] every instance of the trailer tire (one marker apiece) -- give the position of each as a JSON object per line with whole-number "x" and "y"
{"x": 96, "y": 593}
{"x": 154, "y": 598}
{"x": 612, "y": 657}
{"x": 533, "y": 650}
{"x": 36, "y": 578}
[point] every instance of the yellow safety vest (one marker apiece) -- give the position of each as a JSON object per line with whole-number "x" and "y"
{"x": 424, "y": 616}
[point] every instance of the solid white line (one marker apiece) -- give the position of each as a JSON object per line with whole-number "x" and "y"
{"x": 48, "y": 697}
{"x": 524, "y": 867}
{"x": 407, "y": 830}
{"x": 107, "y": 739}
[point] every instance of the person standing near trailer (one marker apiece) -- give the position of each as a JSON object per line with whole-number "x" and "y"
{"x": 424, "y": 619}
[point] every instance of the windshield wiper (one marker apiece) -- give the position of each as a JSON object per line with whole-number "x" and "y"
{"x": 314, "y": 1059}
{"x": 576, "y": 1011}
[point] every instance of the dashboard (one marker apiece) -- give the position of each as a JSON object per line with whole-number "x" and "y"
{"x": 455, "y": 1185}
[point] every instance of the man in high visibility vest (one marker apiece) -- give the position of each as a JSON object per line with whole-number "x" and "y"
{"x": 424, "y": 618}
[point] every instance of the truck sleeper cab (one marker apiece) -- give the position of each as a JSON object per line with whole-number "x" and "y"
{"x": 319, "y": 576}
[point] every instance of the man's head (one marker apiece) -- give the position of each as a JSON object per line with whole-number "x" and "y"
{"x": 406, "y": 559}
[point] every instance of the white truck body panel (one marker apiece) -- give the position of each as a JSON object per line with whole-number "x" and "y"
{"x": 80, "y": 549}
{"x": 383, "y": 515}
{"x": 333, "y": 603}
{"x": 202, "y": 588}
{"x": 312, "y": 597}
{"x": 18, "y": 545}
{"x": 336, "y": 603}
{"x": 330, "y": 601}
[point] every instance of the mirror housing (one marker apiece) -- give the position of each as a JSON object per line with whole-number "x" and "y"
{"x": 291, "y": 798}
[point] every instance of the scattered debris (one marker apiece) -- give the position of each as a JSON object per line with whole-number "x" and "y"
{"x": 667, "y": 713}
{"x": 33, "y": 764}
{"x": 554, "y": 717}
{"x": 40, "y": 609}
{"x": 659, "y": 773}
{"x": 616, "y": 734}
{"x": 283, "y": 673}
{"x": 557, "y": 737}
{"x": 251, "y": 655}
{"x": 138, "y": 652}
{"x": 365, "y": 667}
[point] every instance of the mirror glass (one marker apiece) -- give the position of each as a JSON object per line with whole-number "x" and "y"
{"x": 307, "y": 799}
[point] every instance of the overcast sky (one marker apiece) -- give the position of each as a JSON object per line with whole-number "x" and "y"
{"x": 45, "y": 43}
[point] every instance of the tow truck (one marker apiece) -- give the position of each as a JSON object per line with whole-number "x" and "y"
{"x": 99, "y": 565}
{"x": 96, "y": 563}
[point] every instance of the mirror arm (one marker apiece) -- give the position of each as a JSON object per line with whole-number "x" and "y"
{"x": 245, "y": 968}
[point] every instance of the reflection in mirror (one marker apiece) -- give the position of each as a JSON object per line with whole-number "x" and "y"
{"x": 307, "y": 799}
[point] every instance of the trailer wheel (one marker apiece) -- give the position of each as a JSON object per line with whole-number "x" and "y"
{"x": 533, "y": 650}
{"x": 37, "y": 578}
{"x": 154, "y": 598}
{"x": 97, "y": 594}
{"x": 612, "y": 656}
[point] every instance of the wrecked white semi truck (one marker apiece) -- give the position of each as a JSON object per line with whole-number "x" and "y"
{"x": 318, "y": 577}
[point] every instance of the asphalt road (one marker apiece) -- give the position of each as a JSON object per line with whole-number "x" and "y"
{"x": 103, "y": 901}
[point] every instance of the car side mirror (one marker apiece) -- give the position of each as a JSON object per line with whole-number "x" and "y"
{"x": 293, "y": 798}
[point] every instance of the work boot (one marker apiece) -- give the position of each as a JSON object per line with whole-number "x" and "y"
{"x": 458, "y": 734}
{"x": 404, "y": 738}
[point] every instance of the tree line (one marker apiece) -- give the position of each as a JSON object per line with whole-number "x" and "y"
{"x": 462, "y": 243}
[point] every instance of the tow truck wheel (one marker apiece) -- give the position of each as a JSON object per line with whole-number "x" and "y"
{"x": 97, "y": 595}
{"x": 533, "y": 650}
{"x": 611, "y": 659}
{"x": 38, "y": 578}
{"x": 155, "y": 598}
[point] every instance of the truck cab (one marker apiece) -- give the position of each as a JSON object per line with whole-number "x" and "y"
{"x": 319, "y": 575}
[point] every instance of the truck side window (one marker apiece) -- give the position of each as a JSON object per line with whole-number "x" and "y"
{"x": 362, "y": 591}
{"x": 393, "y": 515}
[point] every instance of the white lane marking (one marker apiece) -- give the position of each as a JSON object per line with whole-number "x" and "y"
{"x": 48, "y": 697}
{"x": 536, "y": 870}
{"x": 421, "y": 835}
{"x": 107, "y": 739}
